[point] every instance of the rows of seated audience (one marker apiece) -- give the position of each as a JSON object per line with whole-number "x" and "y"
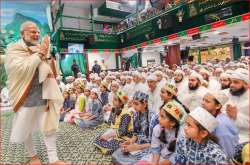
{"x": 195, "y": 114}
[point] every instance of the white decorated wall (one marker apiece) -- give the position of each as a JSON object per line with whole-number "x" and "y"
{"x": 150, "y": 56}
{"x": 109, "y": 59}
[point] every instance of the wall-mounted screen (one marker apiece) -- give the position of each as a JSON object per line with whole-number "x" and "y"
{"x": 75, "y": 48}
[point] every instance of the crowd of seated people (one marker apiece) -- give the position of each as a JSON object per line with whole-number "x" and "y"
{"x": 164, "y": 114}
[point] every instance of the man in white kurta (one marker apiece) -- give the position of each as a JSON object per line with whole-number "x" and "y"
{"x": 34, "y": 93}
{"x": 238, "y": 106}
{"x": 195, "y": 93}
{"x": 153, "y": 91}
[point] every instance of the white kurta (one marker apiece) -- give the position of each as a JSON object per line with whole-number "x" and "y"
{"x": 193, "y": 98}
{"x": 128, "y": 88}
{"x": 242, "y": 121}
{"x": 154, "y": 101}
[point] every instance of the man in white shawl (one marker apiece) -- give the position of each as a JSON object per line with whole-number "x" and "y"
{"x": 34, "y": 93}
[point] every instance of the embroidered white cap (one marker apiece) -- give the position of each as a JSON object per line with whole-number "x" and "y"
{"x": 204, "y": 118}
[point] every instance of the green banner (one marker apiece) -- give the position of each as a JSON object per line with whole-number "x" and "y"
{"x": 141, "y": 29}
{"x": 106, "y": 38}
{"x": 76, "y": 36}
{"x": 202, "y": 6}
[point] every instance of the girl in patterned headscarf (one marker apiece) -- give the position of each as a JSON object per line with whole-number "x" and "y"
{"x": 164, "y": 136}
{"x": 138, "y": 146}
{"x": 121, "y": 125}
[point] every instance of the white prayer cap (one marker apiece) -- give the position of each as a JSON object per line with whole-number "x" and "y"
{"x": 98, "y": 78}
{"x": 151, "y": 77}
{"x": 158, "y": 72}
{"x": 242, "y": 65}
{"x": 88, "y": 87}
{"x": 129, "y": 77}
{"x": 123, "y": 77}
{"x": 94, "y": 90}
{"x": 113, "y": 77}
{"x": 220, "y": 96}
{"x": 136, "y": 73}
{"x": 225, "y": 75}
{"x": 204, "y": 118}
{"x": 205, "y": 71}
{"x": 229, "y": 72}
{"x": 178, "y": 71}
{"x": 219, "y": 70}
{"x": 209, "y": 64}
{"x": 196, "y": 75}
{"x": 92, "y": 76}
{"x": 115, "y": 83}
{"x": 102, "y": 73}
{"x": 241, "y": 74}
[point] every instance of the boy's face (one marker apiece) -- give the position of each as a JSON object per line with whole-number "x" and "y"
{"x": 93, "y": 95}
{"x": 102, "y": 88}
{"x": 86, "y": 92}
{"x": 190, "y": 128}
{"x": 116, "y": 101}
{"x": 138, "y": 106}
{"x": 65, "y": 94}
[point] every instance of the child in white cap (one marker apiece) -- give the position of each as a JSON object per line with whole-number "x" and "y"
{"x": 199, "y": 145}
{"x": 226, "y": 131}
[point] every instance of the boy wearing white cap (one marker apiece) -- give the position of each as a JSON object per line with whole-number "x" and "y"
{"x": 199, "y": 145}
{"x": 238, "y": 105}
{"x": 226, "y": 131}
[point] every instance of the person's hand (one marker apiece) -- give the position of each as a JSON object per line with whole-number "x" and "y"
{"x": 127, "y": 142}
{"x": 105, "y": 137}
{"x": 129, "y": 148}
{"x": 231, "y": 111}
{"x": 44, "y": 47}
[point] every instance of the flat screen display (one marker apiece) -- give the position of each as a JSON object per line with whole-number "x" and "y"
{"x": 75, "y": 48}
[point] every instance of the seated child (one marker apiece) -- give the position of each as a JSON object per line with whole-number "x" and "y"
{"x": 68, "y": 105}
{"x": 79, "y": 104}
{"x": 121, "y": 120}
{"x": 133, "y": 149}
{"x": 199, "y": 146}
{"x": 164, "y": 136}
{"x": 92, "y": 118}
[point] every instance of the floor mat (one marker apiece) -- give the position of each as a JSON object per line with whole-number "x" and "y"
{"x": 73, "y": 144}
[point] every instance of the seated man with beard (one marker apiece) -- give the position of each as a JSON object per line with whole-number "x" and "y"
{"x": 238, "y": 106}
{"x": 195, "y": 93}
{"x": 224, "y": 81}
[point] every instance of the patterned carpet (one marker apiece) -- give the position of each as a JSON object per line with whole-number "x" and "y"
{"x": 73, "y": 144}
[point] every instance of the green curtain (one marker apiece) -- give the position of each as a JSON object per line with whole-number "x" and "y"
{"x": 236, "y": 50}
{"x": 134, "y": 61}
{"x": 67, "y": 61}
